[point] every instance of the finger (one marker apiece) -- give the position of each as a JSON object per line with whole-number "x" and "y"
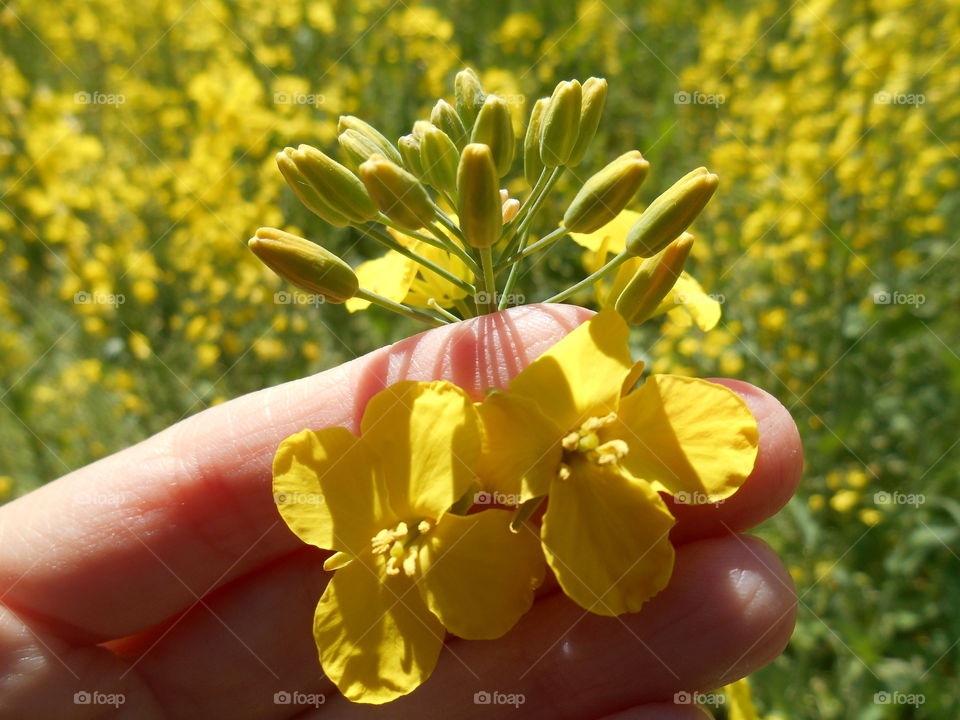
{"x": 772, "y": 483}
{"x": 661, "y": 711}
{"x": 117, "y": 547}
{"x": 729, "y": 609}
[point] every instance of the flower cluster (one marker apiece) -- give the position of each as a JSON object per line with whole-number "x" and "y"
{"x": 434, "y": 200}
{"x": 419, "y": 548}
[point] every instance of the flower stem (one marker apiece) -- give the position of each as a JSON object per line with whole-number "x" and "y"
{"x": 434, "y": 305}
{"x": 615, "y": 263}
{"x": 383, "y": 237}
{"x": 489, "y": 280}
{"x": 398, "y": 308}
{"x": 540, "y": 244}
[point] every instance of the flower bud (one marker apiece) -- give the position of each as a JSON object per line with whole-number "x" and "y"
{"x": 409, "y": 146}
{"x": 532, "y": 164}
{"x": 510, "y": 209}
{"x": 384, "y": 146}
{"x": 397, "y": 193}
{"x": 606, "y": 193}
{"x": 305, "y": 264}
{"x": 439, "y": 158}
{"x": 306, "y": 193}
{"x": 356, "y": 147}
{"x": 594, "y": 97}
{"x": 339, "y": 187}
{"x": 561, "y": 124}
{"x": 479, "y": 205}
{"x": 653, "y": 280}
{"x": 671, "y": 213}
{"x": 445, "y": 117}
{"x": 494, "y": 128}
{"x": 468, "y": 96}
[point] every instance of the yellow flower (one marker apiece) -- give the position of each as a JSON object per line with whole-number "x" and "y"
{"x": 566, "y": 429}
{"x": 685, "y": 303}
{"x": 401, "y": 279}
{"x": 406, "y": 568}
{"x": 739, "y": 701}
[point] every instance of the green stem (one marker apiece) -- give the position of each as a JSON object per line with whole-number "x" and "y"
{"x": 452, "y": 246}
{"x": 540, "y": 244}
{"x": 383, "y": 237}
{"x": 616, "y": 262}
{"x": 489, "y": 279}
{"x": 434, "y": 305}
{"x": 448, "y": 223}
{"x": 439, "y": 241}
{"x": 511, "y": 278}
{"x": 464, "y": 308}
{"x": 527, "y": 212}
{"x": 398, "y": 308}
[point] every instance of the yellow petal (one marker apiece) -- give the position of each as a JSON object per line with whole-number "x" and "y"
{"x": 687, "y": 294}
{"x": 688, "y": 435}
{"x": 326, "y": 489}
{"x": 522, "y": 449}
{"x": 581, "y": 376}
{"x": 606, "y": 537}
{"x": 389, "y": 275}
{"x": 428, "y": 438}
{"x": 376, "y": 638}
{"x": 478, "y": 576}
{"x": 428, "y": 284}
{"x": 611, "y": 238}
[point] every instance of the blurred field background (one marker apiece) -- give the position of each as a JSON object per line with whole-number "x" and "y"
{"x": 136, "y": 157}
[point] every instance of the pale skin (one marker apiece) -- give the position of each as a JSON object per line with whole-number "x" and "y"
{"x": 165, "y": 573}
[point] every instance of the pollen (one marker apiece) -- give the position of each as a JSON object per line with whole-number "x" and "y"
{"x": 585, "y": 441}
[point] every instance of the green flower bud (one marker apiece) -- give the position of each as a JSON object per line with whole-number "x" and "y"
{"x": 440, "y": 159}
{"x": 339, "y": 187}
{"x": 468, "y": 96}
{"x": 671, "y": 213}
{"x": 606, "y": 194}
{"x": 655, "y": 277}
{"x": 594, "y": 97}
{"x": 561, "y": 124}
{"x": 356, "y": 147}
{"x": 420, "y": 127}
{"x": 445, "y": 117}
{"x": 306, "y": 193}
{"x": 397, "y": 193}
{"x": 532, "y": 164}
{"x": 384, "y": 146}
{"x": 494, "y": 128}
{"x": 305, "y": 264}
{"x": 479, "y": 205}
{"x": 409, "y": 146}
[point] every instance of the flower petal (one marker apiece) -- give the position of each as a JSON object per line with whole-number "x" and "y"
{"x": 428, "y": 438}
{"x": 376, "y": 638}
{"x": 688, "y": 435}
{"x": 606, "y": 537}
{"x": 327, "y": 491}
{"x": 687, "y": 294}
{"x": 522, "y": 449}
{"x": 581, "y": 376}
{"x": 478, "y": 576}
{"x": 389, "y": 275}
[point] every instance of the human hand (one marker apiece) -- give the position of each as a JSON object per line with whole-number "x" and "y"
{"x": 163, "y": 574}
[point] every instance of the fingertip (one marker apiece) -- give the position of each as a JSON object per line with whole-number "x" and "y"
{"x": 774, "y": 480}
